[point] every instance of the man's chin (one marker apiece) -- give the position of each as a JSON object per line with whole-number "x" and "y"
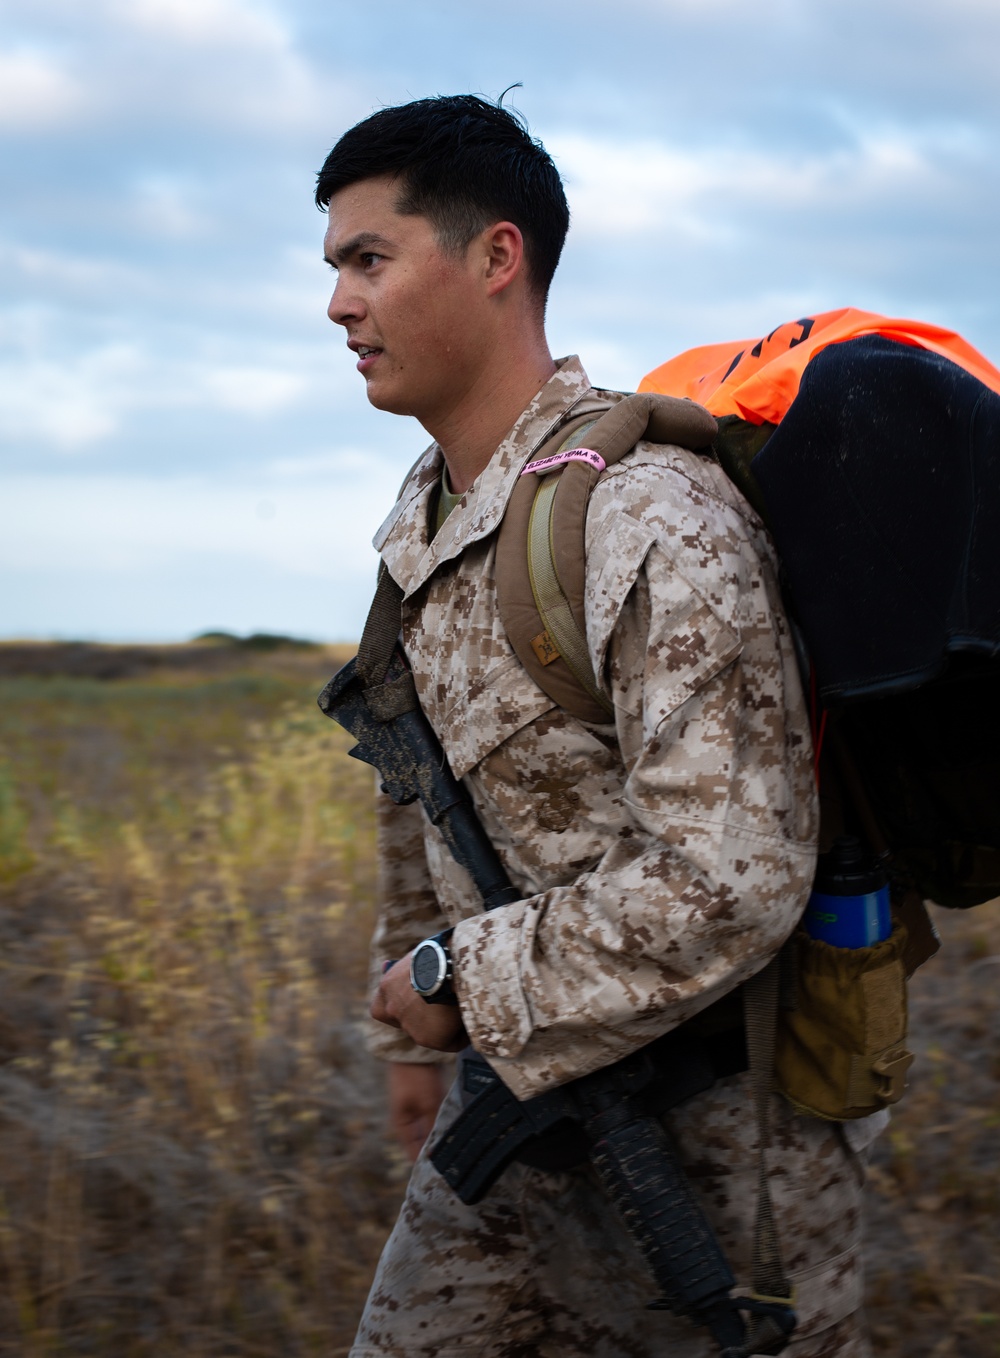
{"x": 392, "y": 402}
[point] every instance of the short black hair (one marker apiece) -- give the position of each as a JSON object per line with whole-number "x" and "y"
{"x": 462, "y": 163}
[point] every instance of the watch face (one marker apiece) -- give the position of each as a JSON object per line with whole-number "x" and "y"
{"x": 428, "y": 968}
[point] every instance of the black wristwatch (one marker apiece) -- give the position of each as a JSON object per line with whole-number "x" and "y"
{"x": 430, "y": 969}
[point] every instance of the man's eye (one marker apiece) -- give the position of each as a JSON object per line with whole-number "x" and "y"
{"x": 368, "y": 259}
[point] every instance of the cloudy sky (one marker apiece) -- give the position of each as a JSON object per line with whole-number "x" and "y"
{"x": 184, "y": 442}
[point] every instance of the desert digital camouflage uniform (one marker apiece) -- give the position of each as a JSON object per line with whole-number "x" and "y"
{"x": 663, "y": 858}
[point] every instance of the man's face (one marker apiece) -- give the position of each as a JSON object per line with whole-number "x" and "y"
{"x": 414, "y": 314}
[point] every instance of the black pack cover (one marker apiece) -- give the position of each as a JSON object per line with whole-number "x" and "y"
{"x": 882, "y": 490}
{"x": 882, "y": 485}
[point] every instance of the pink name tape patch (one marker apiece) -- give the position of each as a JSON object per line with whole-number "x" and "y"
{"x": 545, "y": 464}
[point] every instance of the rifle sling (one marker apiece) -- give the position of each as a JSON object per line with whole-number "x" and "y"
{"x": 770, "y": 1282}
{"x": 378, "y": 641}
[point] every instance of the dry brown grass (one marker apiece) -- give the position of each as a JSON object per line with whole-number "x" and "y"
{"x": 193, "y": 1151}
{"x": 934, "y": 1220}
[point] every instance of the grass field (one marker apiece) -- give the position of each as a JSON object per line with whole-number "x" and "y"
{"x": 193, "y": 1154}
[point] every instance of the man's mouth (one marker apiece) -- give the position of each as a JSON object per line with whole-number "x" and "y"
{"x": 367, "y": 354}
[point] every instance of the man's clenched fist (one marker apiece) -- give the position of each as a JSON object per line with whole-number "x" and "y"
{"x": 438, "y": 1026}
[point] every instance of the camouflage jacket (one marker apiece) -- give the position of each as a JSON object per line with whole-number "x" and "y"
{"x": 662, "y": 857}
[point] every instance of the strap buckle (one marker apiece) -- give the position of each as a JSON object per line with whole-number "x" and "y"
{"x": 774, "y": 1319}
{"x": 760, "y": 1304}
{"x": 890, "y": 1070}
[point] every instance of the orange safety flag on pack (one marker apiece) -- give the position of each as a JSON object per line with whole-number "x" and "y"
{"x": 758, "y": 380}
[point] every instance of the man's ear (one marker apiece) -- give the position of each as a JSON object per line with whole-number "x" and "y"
{"x": 503, "y": 253}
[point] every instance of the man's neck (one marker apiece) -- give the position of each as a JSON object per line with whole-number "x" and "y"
{"x": 471, "y": 433}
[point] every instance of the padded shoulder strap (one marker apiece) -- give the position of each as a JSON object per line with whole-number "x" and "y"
{"x": 541, "y": 565}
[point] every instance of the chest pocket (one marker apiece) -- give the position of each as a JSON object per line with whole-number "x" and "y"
{"x": 474, "y": 690}
{"x": 546, "y": 787}
{"x": 497, "y": 706}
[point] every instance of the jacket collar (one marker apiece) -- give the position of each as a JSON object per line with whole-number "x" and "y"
{"x": 402, "y": 539}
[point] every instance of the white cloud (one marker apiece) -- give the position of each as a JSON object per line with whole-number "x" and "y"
{"x": 164, "y": 207}
{"x": 209, "y": 64}
{"x": 333, "y": 461}
{"x": 231, "y": 23}
{"x": 641, "y": 11}
{"x": 633, "y": 189}
{"x": 71, "y": 401}
{"x": 314, "y": 526}
{"x": 253, "y": 391}
{"x": 290, "y": 288}
{"x": 35, "y": 92}
{"x": 218, "y": 63}
{"x": 65, "y": 272}
{"x": 68, "y": 405}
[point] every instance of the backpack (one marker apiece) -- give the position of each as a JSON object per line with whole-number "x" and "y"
{"x": 880, "y": 484}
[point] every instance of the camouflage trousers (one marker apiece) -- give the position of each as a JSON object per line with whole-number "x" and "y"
{"x": 542, "y": 1268}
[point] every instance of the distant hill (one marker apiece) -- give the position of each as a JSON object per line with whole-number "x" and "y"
{"x": 256, "y": 641}
{"x": 212, "y": 653}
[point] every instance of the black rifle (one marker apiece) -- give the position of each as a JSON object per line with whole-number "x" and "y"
{"x": 614, "y": 1108}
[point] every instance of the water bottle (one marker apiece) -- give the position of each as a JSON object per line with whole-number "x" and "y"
{"x": 849, "y": 905}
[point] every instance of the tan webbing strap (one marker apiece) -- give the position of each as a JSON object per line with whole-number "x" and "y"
{"x": 659, "y": 419}
{"x": 541, "y": 545}
{"x": 770, "y": 1282}
{"x": 524, "y": 624}
{"x": 561, "y": 503}
{"x": 553, "y": 607}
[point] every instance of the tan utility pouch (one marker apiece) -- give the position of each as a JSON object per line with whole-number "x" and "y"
{"x": 840, "y": 1051}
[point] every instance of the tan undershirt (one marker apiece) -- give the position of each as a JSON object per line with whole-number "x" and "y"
{"x": 446, "y": 502}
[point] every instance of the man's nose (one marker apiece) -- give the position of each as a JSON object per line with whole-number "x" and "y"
{"x": 344, "y": 308}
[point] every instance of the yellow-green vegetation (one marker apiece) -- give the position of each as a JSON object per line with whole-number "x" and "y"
{"x": 192, "y": 1159}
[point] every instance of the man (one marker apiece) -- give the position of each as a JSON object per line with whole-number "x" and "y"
{"x": 663, "y": 857}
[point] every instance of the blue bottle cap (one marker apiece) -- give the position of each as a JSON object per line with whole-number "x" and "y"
{"x": 849, "y": 905}
{"x": 848, "y": 869}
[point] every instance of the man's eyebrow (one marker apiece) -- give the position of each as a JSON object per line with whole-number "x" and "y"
{"x": 364, "y": 240}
